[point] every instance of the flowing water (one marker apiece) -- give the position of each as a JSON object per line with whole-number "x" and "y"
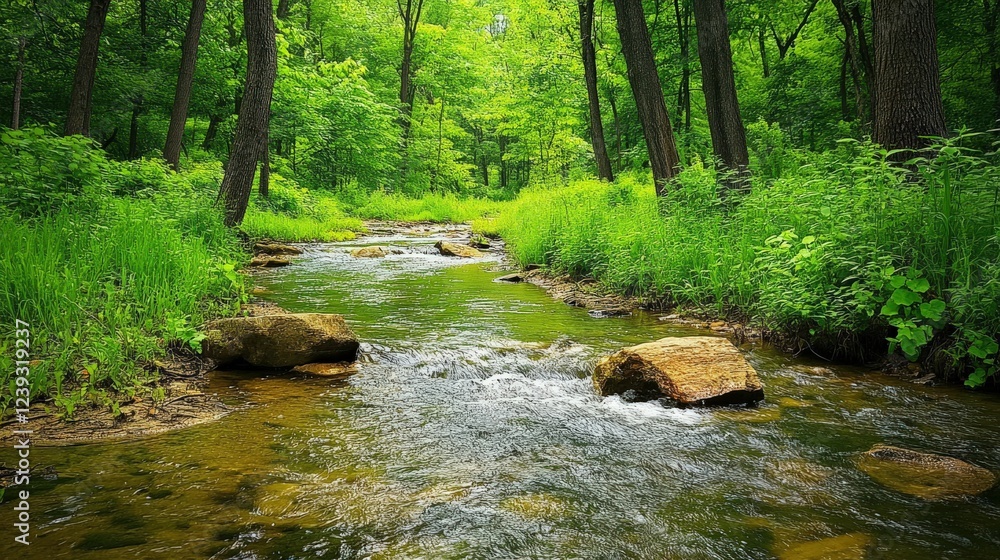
{"x": 472, "y": 431}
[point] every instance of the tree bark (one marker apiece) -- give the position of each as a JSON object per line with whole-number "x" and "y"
{"x": 729, "y": 139}
{"x": 250, "y": 139}
{"x": 648, "y": 92}
{"x": 15, "y": 109}
{"x": 594, "y": 101}
{"x": 185, "y": 78}
{"x": 264, "y": 183}
{"x": 284, "y": 6}
{"x": 78, "y": 114}
{"x": 684, "y": 39}
{"x": 410, "y": 14}
{"x": 907, "y": 80}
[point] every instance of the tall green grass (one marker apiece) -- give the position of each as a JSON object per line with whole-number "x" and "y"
{"x": 815, "y": 252}
{"x": 130, "y": 260}
{"x": 431, "y": 207}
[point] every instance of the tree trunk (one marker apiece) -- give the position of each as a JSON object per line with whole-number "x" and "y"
{"x": 410, "y": 14}
{"x": 283, "y": 8}
{"x": 15, "y": 109}
{"x": 854, "y": 55}
{"x": 729, "y": 139}
{"x": 250, "y": 139}
{"x": 133, "y": 131}
{"x": 618, "y": 132}
{"x": 78, "y": 114}
{"x": 990, "y": 21}
{"x": 213, "y": 130}
{"x": 594, "y": 101}
{"x": 648, "y": 92}
{"x": 684, "y": 39}
{"x": 907, "y": 82}
{"x": 185, "y": 77}
{"x": 762, "y": 45}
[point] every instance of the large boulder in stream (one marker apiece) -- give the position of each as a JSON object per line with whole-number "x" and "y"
{"x": 455, "y": 250}
{"x": 691, "y": 371}
{"x": 926, "y": 475}
{"x": 284, "y": 340}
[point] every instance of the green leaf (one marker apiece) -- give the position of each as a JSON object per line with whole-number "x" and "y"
{"x": 897, "y": 281}
{"x": 904, "y": 297}
{"x": 932, "y": 310}
{"x": 919, "y": 285}
{"x": 808, "y": 240}
{"x": 890, "y": 309}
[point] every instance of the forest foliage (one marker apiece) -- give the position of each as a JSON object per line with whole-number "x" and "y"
{"x": 462, "y": 110}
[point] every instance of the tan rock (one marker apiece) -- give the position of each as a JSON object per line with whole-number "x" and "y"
{"x": 926, "y": 475}
{"x": 697, "y": 370}
{"x": 852, "y": 546}
{"x": 374, "y": 252}
{"x": 455, "y": 250}
{"x": 284, "y": 340}
{"x": 276, "y": 249}
{"x": 337, "y": 369}
{"x": 267, "y": 261}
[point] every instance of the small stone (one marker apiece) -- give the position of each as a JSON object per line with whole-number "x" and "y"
{"x": 276, "y": 249}
{"x": 530, "y": 267}
{"x": 511, "y": 278}
{"x": 337, "y": 369}
{"x": 374, "y": 252}
{"x": 717, "y": 324}
{"x": 606, "y": 313}
{"x": 265, "y": 261}
{"x": 449, "y": 249}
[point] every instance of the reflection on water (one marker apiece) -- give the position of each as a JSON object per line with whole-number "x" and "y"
{"x": 472, "y": 431}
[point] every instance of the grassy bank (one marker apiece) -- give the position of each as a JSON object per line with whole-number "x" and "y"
{"x": 109, "y": 262}
{"x": 838, "y": 250}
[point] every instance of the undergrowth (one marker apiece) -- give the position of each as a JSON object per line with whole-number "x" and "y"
{"x": 830, "y": 247}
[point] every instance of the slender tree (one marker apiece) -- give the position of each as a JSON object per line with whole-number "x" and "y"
{"x": 729, "y": 139}
{"x": 15, "y": 109}
{"x": 409, "y": 12}
{"x": 594, "y": 101}
{"x": 185, "y": 77}
{"x": 647, "y": 91}
{"x": 907, "y": 82}
{"x": 250, "y": 138}
{"x": 78, "y": 114}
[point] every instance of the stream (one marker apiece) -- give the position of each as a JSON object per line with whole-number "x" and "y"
{"x": 472, "y": 431}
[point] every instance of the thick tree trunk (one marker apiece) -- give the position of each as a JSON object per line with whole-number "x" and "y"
{"x": 648, "y": 92}
{"x": 250, "y": 138}
{"x": 78, "y": 114}
{"x": 907, "y": 81}
{"x": 729, "y": 139}
{"x": 213, "y": 130}
{"x": 593, "y": 99}
{"x": 185, "y": 77}
{"x": 15, "y": 108}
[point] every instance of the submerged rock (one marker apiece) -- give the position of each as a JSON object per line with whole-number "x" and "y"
{"x": 449, "y": 249}
{"x": 696, "y": 371}
{"x": 479, "y": 243}
{"x": 374, "y": 252}
{"x": 926, "y": 475}
{"x": 510, "y": 278}
{"x": 276, "y": 249}
{"x": 267, "y": 261}
{"x": 852, "y": 546}
{"x": 281, "y": 340}
{"x": 338, "y": 369}
{"x": 612, "y": 312}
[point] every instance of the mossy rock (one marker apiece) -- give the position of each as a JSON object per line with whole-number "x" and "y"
{"x": 373, "y": 252}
